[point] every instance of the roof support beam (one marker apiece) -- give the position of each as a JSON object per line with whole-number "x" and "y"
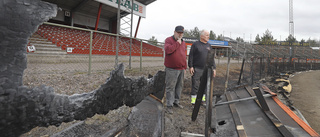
{"x": 98, "y": 16}
{"x": 97, "y": 21}
{"x": 135, "y": 35}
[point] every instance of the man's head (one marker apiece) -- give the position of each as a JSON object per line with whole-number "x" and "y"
{"x": 178, "y": 32}
{"x": 204, "y": 36}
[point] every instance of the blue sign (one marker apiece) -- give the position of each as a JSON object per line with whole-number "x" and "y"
{"x": 218, "y": 42}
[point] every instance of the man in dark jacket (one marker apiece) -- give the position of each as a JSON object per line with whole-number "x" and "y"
{"x": 197, "y": 62}
{"x": 176, "y": 64}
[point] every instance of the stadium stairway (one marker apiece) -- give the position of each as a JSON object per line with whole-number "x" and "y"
{"x": 43, "y": 46}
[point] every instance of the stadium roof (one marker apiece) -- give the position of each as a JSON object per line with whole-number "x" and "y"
{"x": 90, "y": 7}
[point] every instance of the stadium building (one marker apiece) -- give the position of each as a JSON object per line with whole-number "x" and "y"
{"x": 71, "y": 30}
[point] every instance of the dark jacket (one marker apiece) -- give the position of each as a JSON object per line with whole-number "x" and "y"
{"x": 198, "y": 55}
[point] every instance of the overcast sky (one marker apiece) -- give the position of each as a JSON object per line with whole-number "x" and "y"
{"x": 235, "y": 18}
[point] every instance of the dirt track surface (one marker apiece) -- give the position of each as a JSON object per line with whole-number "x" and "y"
{"x": 305, "y": 96}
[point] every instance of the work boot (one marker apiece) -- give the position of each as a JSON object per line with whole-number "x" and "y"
{"x": 204, "y": 98}
{"x": 193, "y": 99}
{"x": 169, "y": 109}
{"x": 178, "y": 105}
{"x": 203, "y": 103}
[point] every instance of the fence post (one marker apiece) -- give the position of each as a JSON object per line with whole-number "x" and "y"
{"x": 252, "y": 70}
{"x": 306, "y": 63}
{"x": 131, "y": 23}
{"x": 90, "y": 52}
{"x": 239, "y": 52}
{"x": 228, "y": 66}
{"x": 215, "y": 53}
{"x": 141, "y": 56}
{"x": 260, "y": 67}
{"x": 241, "y": 71}
{"x": 294, "y": 65}
{"x": 268, "y": 66}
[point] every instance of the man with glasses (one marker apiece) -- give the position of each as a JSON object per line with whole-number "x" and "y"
{"x": 176, "y": 64}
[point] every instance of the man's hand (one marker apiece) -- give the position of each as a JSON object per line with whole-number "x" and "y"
{"x": 214, "y": 73}
{"x": 191, "y": 71}
{"x": 179, "y": 40}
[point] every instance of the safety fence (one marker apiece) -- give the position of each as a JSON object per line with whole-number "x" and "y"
{"x": 62, "y": 56}
{"x": 253, "y": 65}
{"x": 57, "y": 44}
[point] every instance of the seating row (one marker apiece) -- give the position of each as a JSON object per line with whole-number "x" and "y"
{"x": 79, "y": 41}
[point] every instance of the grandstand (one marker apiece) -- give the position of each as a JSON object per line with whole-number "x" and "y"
{"x": 277, "y": 51}
{"x": 78, "y": 42}
{"x": 61, "y": 37}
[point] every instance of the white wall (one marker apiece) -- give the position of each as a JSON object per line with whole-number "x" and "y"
{"x": 82, "y": 19}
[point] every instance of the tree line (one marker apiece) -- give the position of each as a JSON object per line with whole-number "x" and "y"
{"x": 265, "y": 38}
{"x": 268, "y": 38}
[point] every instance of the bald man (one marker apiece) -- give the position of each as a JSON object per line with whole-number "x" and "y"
{"x": 197, "y": 61}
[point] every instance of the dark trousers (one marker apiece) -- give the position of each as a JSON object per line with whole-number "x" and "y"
{"x": 196, "y": 80}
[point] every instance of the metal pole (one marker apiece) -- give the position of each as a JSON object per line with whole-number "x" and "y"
{"x": 294, "y": 65}
{"x": 268, "y": 66}
{"x": 228, "y": 67}
{"x": 261, "y": 67}
{"x": 252, "y": 70}
{"x": 131, "y": 33}
{"x": 306, "y": 63}
{"x": 90, "y": 52}
{"x": 118, "y": 33}
{"x": 72, "y": 18}
{"x": 241, "y": 71}
{"x": 141, "y": 56}
{"x": 243, "y": 99}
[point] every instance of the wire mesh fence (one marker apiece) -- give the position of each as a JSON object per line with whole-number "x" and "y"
{"x": 260, "y": 61}
{"x": 64, "y": 55}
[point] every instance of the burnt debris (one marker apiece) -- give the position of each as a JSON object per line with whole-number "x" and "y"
{"x": 23, "y": 108}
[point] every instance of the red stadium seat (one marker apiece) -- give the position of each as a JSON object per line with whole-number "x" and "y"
{"x": 102, "y": 44}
